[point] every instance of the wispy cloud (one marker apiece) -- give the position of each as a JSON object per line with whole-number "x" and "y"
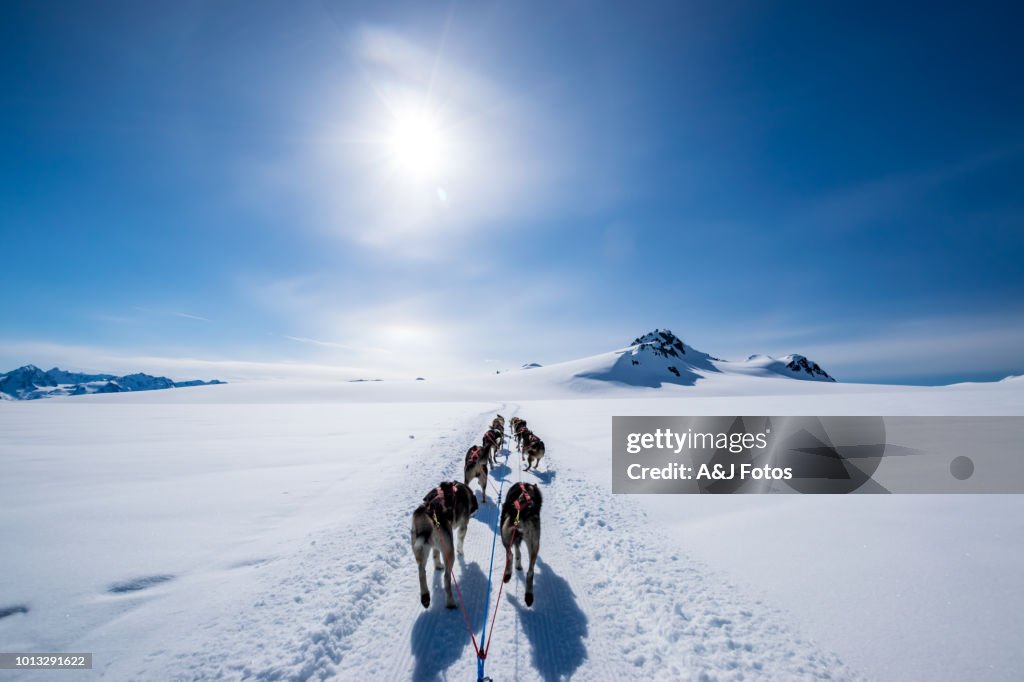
{"x": 890, "y": 196}
{"x": 98, "y": 359}
{"x": 188, "y": 316}
{"x": 335, "y": 344}
{"x": 451, "y": 325}
{"x": 933, "y": 346}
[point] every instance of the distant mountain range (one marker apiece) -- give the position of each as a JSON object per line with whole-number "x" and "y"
{"x": 651, "y": 360}
{"x": 30, "y": 383}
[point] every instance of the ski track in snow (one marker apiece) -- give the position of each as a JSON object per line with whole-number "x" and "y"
{"x": 347, "y": 606}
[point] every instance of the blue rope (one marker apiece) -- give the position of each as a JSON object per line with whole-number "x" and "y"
{"x": 487, "y": 600}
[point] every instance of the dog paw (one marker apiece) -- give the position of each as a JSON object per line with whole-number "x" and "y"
{"x": 425, "y": 599}
{"x": 506, "y": 577}
{"x": 450, "y": 605}
{"x": 528, "y": 598}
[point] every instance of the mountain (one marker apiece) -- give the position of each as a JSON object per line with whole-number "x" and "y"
{"x": 797, "y": 364}
{"x": 23, "y": 380}
{"x": 661, "y": 357}
{"x": 30, "y": 383}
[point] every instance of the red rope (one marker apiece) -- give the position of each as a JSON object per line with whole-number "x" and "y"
{"x": 508, "y": 558}
{"x": 465, "y": 614}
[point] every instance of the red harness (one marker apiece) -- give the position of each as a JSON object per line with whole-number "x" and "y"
{"x": 520, "y": 504}
{"x": 435, "y": 498}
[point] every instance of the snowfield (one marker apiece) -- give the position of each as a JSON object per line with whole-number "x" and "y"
{"x": 259, "y": 531}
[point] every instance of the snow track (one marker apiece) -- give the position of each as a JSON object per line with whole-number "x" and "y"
{"x": 375, "y": 627}
{"x": 613, "y": 600}
{"x": 601, "y": 577}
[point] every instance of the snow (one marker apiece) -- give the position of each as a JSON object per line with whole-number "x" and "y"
{"x": 259, "y": 530}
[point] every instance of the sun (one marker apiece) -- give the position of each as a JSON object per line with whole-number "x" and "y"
{"x": 416, "y": 145}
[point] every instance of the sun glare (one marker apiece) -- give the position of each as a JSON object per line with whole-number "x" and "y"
{"x": 417, "y": 145}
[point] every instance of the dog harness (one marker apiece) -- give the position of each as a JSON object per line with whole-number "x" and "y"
{"x": 524, "y": 501}
{"x": 474, "y": 455}
{"x": 436, "y": 499}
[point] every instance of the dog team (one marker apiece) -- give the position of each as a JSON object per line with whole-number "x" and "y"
{"x": 446, "y": 510}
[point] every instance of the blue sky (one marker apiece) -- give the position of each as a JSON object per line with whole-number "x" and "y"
{"x": 431, "y": 188}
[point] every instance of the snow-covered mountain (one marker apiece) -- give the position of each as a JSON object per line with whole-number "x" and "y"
{"x": 29, "y": 383}
{"x": 653, "y": 359}
{"x": 661, "y": 357}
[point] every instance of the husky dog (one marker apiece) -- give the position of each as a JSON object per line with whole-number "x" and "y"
{"x": 520, "y": 520}
{"x": 489, "y": 451}
{"x": 515, "y": 422}
{"x": 498, "y": 423}
{"x": 446, "y": 507}
{"x": 533, "y": 451}
{"x": 493, "y": 439}
{"x": 476, "y": 467}
{"x": 521, "y": 433}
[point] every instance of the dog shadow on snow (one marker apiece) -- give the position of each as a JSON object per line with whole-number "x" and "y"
{"x": 487, "y": 514}
{"x": 500, "y": 470}
{"x": 555, "y": 625}
{"x": 545, "y": 477}
{"x": 439, "y": 636}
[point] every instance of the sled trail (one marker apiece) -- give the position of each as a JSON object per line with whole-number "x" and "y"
{"x": 612, "y": 600}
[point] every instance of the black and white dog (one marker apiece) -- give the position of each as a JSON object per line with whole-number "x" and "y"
{"x": 520, "y": 520}
{"x": 476, "y": 467}
{"x": 445, "y": 508}
{"x": 520, "y": 434}
{"x": 533, "y": 451}
{"x": 492, "y": 441}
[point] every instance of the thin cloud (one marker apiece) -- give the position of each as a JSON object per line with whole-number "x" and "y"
{"x": 335, "y": 344}
{"x": 862, "y": 204}
{"x": 189, "y": 316}
{"x": 955, "y": 345}
{"x": 96, "y": 359}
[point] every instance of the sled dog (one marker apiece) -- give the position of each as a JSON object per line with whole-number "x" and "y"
{"x": 521, "y": 434}
{"x": 445, "y": 508}
{"x": 476, "y": 467}
{"x": 533, "y": 451}
{"x": 520, "y": 520}
{"x": 494, "y": 439}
